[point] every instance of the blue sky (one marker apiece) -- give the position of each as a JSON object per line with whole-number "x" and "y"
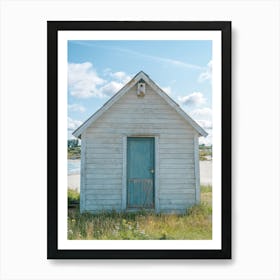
{"x": 98, "y": 69}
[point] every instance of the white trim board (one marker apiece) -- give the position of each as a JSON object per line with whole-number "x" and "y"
{"x": 196, "y": 169}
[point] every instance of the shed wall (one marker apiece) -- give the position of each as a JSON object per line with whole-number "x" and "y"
{"x": 103, "y": 149}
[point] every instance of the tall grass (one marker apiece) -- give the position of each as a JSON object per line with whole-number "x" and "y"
{"x": 73, "y": 197}
{"x": 196, "y": 223}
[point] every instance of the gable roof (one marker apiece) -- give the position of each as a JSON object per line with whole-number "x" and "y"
{"x": 126, "y": 88}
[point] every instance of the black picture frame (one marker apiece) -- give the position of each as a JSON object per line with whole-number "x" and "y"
{"x": 53, "y": 27}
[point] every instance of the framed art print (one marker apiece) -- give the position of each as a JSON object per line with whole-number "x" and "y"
{"x": 139, "y": 140}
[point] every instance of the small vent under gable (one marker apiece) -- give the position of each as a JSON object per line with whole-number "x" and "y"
{"x": 141, "y": 88}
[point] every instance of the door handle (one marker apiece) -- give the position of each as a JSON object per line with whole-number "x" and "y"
{"x": 152, "y": 170}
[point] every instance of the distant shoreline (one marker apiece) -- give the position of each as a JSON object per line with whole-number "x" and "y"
{"x": 74, "y": 158}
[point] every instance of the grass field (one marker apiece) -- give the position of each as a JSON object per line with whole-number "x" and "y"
{"x": 195, "y": 224}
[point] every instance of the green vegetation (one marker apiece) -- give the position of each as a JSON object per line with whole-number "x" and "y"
{"x": 73, "y": 197}
{"x": 71, "y": 143}
{"x": 195, "y": 224}
{"x": 205, "y": 152}
{"x": 74, "y": 152}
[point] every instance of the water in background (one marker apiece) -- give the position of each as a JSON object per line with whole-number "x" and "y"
{"x": 74, "y": 166}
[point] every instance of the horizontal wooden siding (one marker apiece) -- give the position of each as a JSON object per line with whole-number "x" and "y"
{"x": 143, "y": 116}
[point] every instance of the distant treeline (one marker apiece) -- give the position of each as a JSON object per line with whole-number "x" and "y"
{"x": 73, "y": 143}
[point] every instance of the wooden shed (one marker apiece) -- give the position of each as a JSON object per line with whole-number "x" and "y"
{"x": 139, "y": 151}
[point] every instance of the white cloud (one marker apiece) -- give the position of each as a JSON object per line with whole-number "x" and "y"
{"x": 121, "y": 76}
{"x": 193, "y": 99}
{"x": 207, "y": 74}
{"x": 201, "y": 114}
{"x": 73, "y": 124}
{"x": 203, "y": 117}
{"x": 83, "y": 80}
{"x": 111, "y": 88}
{"x": 76, "y": 108}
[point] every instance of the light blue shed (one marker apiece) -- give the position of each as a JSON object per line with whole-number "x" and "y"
{"x": 139, "y": 151}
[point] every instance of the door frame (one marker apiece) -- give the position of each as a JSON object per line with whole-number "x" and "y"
{"x": 156, "y": 174}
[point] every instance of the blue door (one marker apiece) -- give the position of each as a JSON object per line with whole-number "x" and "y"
{"x": 140, "y": 172}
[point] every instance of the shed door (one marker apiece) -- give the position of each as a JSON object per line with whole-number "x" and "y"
{"x": 140, "y": 172}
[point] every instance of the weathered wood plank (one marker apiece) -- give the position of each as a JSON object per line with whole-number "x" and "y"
{"x": 103, "y": 176}
{"x": 149, "y": 114}
{"x": 171, "y": 181}
{"x": 105, "y": 186}
{"x": 100, "y": 181}
{"x": 136, "y": 112}
{"x": 105, "y": 171}
{"x": 169, "y": 166}
{"x": 100, "y": 161}
{"x": 109, "y": 150}
{"x": 173, "y": 161}
{"x": 128, "y": 120}
{"x": 93, "y": 145}
{"x": 103, "y": 156}
{"x": 101, "y": 197}
{"x": 180, "y": 171}
{"x": 182, "y": 207}
{"x": 100, "y": 165}
{"x": 175, "y": 176}
{"x": 138, "y": 107}
{"x": 181, "y": 194}
{"x": 133, "y": 125}
{"x": 179, "y": 132}
{"x": 105, "y": 192}
{"x": 91, "y": 205}
{"x": 176, "y": 156}
{"x": 177, "y": 190}
{"x": 177, "y": 186}
{"x": 103, "y": 203}
{"x": 103, "y": 138}
{"x": 170, "y": 139}
{"x": 175, "y": 150}
{"x": 177, "y": 202}
{"x": 176, "y": 145}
